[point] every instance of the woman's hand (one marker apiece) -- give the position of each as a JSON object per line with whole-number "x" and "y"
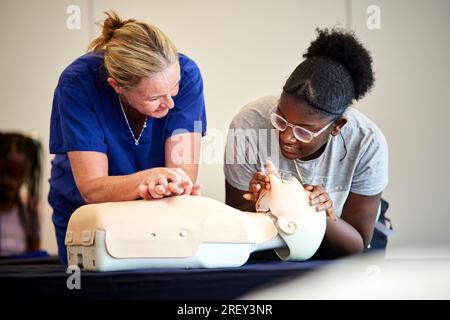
{"x": 320, "y": 198}
{"x": 260, "y": 181}
{"x": 164, "y": 182}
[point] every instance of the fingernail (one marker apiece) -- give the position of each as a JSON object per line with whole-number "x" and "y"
{"x": 320, "y": 208}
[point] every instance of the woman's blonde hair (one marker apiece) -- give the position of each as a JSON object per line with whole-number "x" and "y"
{"x": 133, "y": 49}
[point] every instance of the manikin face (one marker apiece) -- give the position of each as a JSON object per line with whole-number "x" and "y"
{"x": 153, "y": 96}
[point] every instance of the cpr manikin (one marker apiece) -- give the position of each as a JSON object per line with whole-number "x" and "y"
{"x": 194, "y": 231}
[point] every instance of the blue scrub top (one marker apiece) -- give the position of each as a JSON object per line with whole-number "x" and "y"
{"x": 86, "y": 116}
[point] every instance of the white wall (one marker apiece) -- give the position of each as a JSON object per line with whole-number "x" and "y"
{"x": 410, "y": 104}
{"x": 36, "y": 46}
{"x": 246, "y": 49}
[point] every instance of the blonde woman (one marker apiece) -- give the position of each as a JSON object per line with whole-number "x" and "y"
{"x": 126, "y": 123}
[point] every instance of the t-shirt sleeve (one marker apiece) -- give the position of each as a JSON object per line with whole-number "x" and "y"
{"x": 188, "y": 114}
{"x": 74, "y": 125}
{"x": 251, "y": 141}
{"x": 241, "y": 160}
{"x": 371, "y": 174}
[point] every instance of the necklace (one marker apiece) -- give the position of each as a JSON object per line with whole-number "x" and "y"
{"x": 302, "y": 181}
{"x": 136, "y": 140}
{"x": 297, "y": 168}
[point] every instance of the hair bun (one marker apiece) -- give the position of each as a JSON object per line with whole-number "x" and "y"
{"x": 345, "y": 48}
{"x": 111, "y": 24}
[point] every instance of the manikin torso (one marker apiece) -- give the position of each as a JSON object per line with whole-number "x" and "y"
{"x": 176, "y": 228}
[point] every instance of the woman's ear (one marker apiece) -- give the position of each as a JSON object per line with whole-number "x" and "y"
{"x": 113, "y": 83}
{"x": 338, "y": 126}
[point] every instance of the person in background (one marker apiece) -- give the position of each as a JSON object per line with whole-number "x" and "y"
{"x": 20, "y": 169}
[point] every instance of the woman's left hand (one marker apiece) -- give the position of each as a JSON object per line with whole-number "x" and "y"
{"x": 320, "y": 198}
{"x": 164, "y": 182}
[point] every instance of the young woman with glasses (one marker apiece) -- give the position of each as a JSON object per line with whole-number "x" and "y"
{"x": 338, "y": 154}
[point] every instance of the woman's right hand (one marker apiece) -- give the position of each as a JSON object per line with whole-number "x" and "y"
{"x": 259, "y": 182}
{"x": 164, "y": 182}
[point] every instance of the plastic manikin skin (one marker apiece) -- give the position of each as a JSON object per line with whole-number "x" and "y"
{"x": 168, "y": 227}
{"x": 176, "y": 227}
{"x": 298, "y": 223}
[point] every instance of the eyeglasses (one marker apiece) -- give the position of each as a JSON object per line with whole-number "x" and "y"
{"x": 301, "y": 134}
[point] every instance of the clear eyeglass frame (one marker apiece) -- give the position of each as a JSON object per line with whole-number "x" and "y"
{"x": 296, "y": 130}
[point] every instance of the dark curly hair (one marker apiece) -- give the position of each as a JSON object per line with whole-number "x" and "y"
{"x": 337, "y": 69}
{"x": 28, "y": 212}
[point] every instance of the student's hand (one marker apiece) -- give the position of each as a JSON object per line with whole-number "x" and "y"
{"x": 164, "y": 182}
{"x": 320, "y": 198}
{"x": 260, "y": 181}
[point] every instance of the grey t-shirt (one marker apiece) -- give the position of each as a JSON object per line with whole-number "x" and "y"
{"x": 362, "y": 169}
